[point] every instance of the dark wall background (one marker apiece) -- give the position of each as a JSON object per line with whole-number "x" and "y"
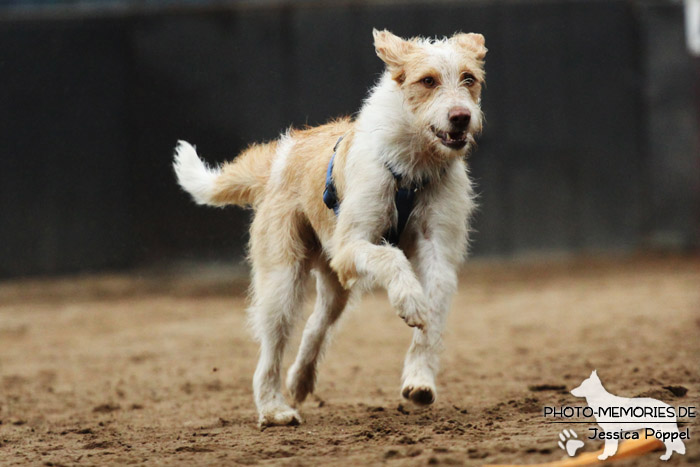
{"x": 591, "y": 140}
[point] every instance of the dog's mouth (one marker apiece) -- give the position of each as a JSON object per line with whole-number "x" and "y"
{"x": 451, "y": 139}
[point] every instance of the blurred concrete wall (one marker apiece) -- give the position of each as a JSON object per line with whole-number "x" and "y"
{"x": 591, "y": 140}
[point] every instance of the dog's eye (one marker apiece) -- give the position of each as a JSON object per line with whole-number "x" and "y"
{"x": 428, "y": 82}
{"x": 468, "y": 80}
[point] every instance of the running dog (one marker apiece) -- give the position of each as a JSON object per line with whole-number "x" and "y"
{"x": 616, "y": 415}
{"x": 380, "y": 200}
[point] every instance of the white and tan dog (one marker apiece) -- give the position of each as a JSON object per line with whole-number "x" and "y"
{"x": 413, "y": 133}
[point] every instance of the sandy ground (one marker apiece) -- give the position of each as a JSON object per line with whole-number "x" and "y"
{"x": 157, "y": 369}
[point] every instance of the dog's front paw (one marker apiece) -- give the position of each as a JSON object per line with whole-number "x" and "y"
{"x": 421, "y": 395}
{"x": 278, "y": 415}
{"x": 344, "y": 267}
{"x": 413, "y": 308}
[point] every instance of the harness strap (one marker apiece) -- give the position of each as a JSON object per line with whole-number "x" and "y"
{"x": 403, "y": 199}
{"x": 330, "y": 195}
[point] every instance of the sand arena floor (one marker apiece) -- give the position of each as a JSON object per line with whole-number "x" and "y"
{"x": 156, "y": 368}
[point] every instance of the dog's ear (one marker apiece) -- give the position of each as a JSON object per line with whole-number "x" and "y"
{"x": 594, "y": 375}
{"x": 391, "y": 49}
{"x": 473, "y": 42}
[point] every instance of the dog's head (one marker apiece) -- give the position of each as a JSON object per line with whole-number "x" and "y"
{"x": 440, "y": 81}
{"x": 589, "y": 386}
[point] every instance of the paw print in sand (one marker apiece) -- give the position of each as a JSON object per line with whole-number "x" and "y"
{"x": 569, "y": 442}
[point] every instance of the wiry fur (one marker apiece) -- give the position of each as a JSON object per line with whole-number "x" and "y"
{"x": 403, "y": 125}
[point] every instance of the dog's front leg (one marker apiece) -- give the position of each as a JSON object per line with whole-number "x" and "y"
{"x": 438, "y": 277}
{"x": 389, "y": 268}
{"x": 441, "y": 243}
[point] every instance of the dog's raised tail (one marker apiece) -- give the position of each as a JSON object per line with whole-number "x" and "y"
{"x": 239, "y": 182}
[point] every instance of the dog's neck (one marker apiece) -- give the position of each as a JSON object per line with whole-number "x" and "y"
{"x": 393, "y": 135}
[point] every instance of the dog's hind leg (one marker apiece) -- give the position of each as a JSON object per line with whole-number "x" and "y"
{"x": 279, "y": 273}
{"x": 331, "y": 299}
{"x": 277, "y": 296}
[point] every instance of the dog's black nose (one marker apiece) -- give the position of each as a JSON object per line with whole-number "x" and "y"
{"x": 459, "y": 117}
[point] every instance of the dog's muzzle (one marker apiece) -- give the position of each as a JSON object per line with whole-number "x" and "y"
{"x": 452, "y": 139}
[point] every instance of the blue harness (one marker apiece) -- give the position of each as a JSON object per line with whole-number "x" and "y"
{"x": 403, "y": 200}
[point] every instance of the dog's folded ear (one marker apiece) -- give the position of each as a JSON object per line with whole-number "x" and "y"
{"x": 391, "y": 49}
{"x": 472, "y": 41}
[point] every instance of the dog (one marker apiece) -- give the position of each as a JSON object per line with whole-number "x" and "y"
{"x": 617, "y": 414}
{"x": 380, "y": 200}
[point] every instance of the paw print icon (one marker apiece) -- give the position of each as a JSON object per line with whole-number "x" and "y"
{"x": 569, "y": 442}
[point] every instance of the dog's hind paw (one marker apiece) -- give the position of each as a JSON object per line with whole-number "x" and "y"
{"x": 300, "y": 382}
{"x": 279, "y": 416}
{"x": 421, "y": 395}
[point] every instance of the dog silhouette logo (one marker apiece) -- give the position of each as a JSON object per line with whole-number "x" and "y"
{"x": 618, "y": 415}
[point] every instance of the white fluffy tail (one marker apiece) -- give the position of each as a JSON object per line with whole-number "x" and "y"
{"x": 193, "y": 175}
{"x": 240, "y": 182}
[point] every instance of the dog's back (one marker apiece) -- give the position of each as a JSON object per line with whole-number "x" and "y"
{"x": 293, "y": 164}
